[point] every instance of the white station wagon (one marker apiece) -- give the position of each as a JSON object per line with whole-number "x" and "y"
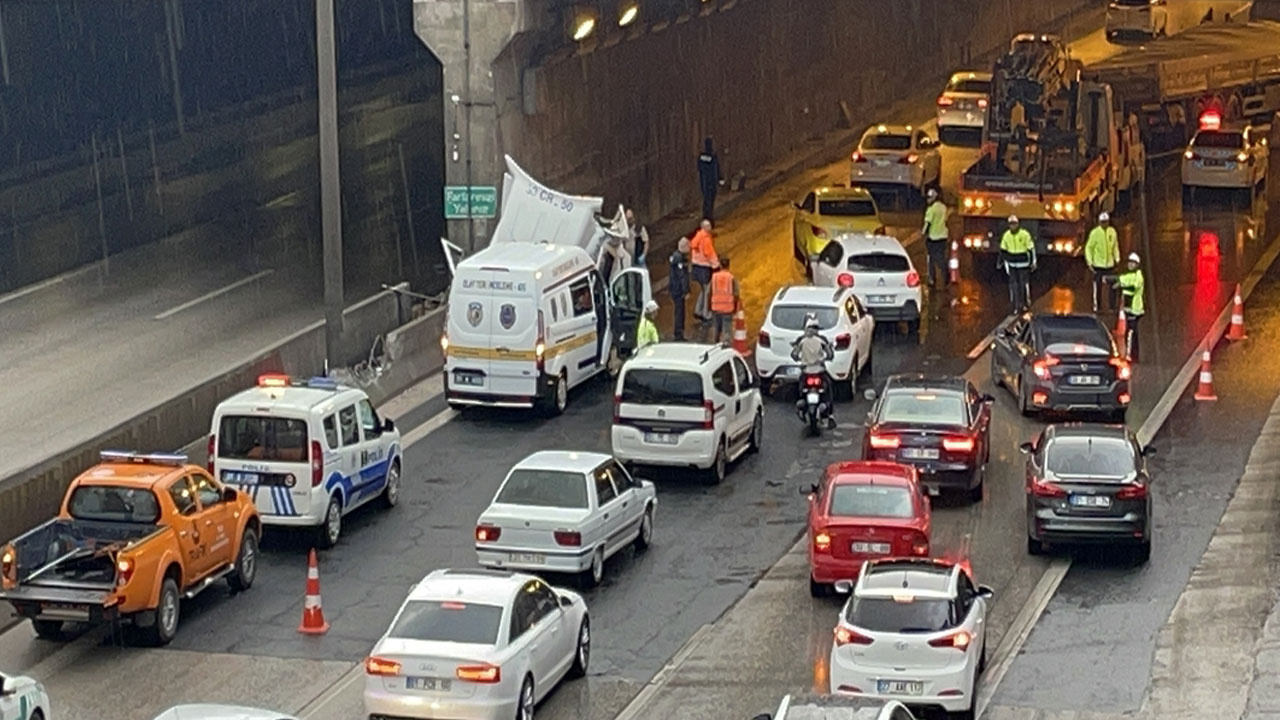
{"x": 565, "y": 512}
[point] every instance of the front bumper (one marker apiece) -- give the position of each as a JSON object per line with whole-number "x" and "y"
{"x": 383, "y": 705}
{"x": 693, "y": 448}
{"x": 858, "y": 681}
{"x": 557, "y": 560}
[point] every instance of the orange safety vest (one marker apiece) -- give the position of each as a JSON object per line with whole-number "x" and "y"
{"x": 722, "y": 299}
{"x": 702, "y": 249}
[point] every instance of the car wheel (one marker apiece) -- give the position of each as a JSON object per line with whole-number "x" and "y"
{"x": 1024, "y": 401}
{"x": 48, "y": 629}
{"x": 817, "y": 589}
{"x": 582, "y": 653}
{"x": 1034, "y": 546}
{"x": 982, "y": 659}
{"x": 330, "y": 530}
{"x": 246, "y": 562}
{"x": 865, "y": 372}
{"x": 560, "y": 395}
{"x": 645, "y": 536}
{"x": 391, "y": 495}
{"x": 1118, "y": 416}
{"x": 719, "y": 466}
{"x": 846, "y": 389}
{"x": 913, "y": 327}
{"x": 757, "y": 433}
{"x": 997, "y": 377}
{"x": 524, "y": 709}
{"x": 975, "y": 492}
{"x": 592, "y": 576}
{"x": 168, "y": 610}
{"x": 1142, "y": 555}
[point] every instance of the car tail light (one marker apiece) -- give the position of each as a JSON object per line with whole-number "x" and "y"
{"x": 124, "y": 571}
{"x": 1243, "y": 156}
{"x": 818, "y": 232}
{"x": 1136, "y": 491}
{"x": 381, "y": 666}
{"x": 848, "y": 636}
{"x": 944, "y": 101}
{"x": 540, "y": 348}
{"x": 982, "y": 103}
{"x": 708, "y": 415}
{"x": 1190, "y": 155}
{"x": 8, "y": 569}
{"x": 1041, "y": 366}
{"x": 919, "y": 544}
{"x": 958, "y": 640}
{"x": 884, "y": 442}
{"x": 843, "y": 340}
{"x": 317, "y": 464}
{"x": 822, "y": 542}
{"x": 958, "y": 444}
{"x": 764, "y": 339}
{"x": 858, "y": 157}
{"x": 486, "y": 673}
{"x": 1124, "y": 370}
{"x": 568, "y": 538}
{"x": 913, "y": 279}
{"x": 1040, "y": 488}
{"x": 909, "y": 159}
{"x": 845, "y": 280}
{"x": 1124, "y": 398}
{"x": 1039, "y": 398}
{"x": 813, "y": 381}
{"x": 487, "y": 533}
{"x": 212, "y": 453}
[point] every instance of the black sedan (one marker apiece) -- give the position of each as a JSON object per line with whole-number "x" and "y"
{"x": 940, "y": 425}
{"x": 1088, "y": 484}
{"x": 1061, "y": 362}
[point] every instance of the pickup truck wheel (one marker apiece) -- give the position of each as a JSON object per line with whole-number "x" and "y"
{"x": 331, "y": 528}
{"x": 246, "y": 569}
{"x": 48, "y": 629}
{"x": 168, "y": 610}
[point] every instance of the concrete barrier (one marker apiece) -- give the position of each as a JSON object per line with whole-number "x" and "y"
{"x": 30, "y": 497}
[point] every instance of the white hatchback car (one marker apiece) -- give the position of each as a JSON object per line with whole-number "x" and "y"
{"x": 896, "y": 155}
{"x": 23, "y": 698}
{"x": 479, "y": 645}
{"x": 836, "y": 707}
{"x": 842, "y": 320}
{"x": 963, "y": 102}
{"x": 913, "y": 630}
{"x": 220, "y": 712}
{"x": 1225, "y": 157}
{"x": 880, "y": 272}
{"x": 687, "y": 405}
{"x": 565, "y": 512}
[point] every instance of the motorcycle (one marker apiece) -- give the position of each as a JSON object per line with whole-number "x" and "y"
{"x": 812, "y": 407}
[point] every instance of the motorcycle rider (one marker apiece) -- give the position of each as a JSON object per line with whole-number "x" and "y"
{"x": 813, "y": 351}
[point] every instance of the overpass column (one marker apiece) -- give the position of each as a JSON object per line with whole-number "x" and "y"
{"x": 467, "y": 35}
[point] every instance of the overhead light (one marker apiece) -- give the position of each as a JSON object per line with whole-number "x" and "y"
{"x": 628, "y": 14}
{"x": 584, "y": 27}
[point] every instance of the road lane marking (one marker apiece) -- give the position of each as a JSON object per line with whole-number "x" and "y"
{"x": 414, "y": 397}
{"x": 985, "y": 343}
{"x": 653, "y": 687}
{"x": 322, "y": 701}
{"x": 43, "y": 284}
{"x": 420, "y": 432}
{"x": 211, "y": 295}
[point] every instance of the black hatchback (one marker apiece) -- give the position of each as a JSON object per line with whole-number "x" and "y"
{"x": 1065, "y": 363}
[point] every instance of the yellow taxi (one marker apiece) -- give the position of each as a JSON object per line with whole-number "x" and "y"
{"x": 830, "y": 211}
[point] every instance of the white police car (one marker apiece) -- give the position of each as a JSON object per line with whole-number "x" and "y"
{"x": 307, "y": 451}
{"x": 22, "y": 698}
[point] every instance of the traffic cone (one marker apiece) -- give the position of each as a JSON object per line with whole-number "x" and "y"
{"x": 740, "y": 333}
{"x": 1205, "y": 391}
{"x": 953, "y": 264}
{"x": 313, "y": 622}
{"x": 1236, "y": 330}
{"x": 1122, "y": 333}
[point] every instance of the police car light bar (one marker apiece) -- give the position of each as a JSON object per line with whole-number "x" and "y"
{"x": 1210, "y": 120}
{"x": 122, "y": 456}
{"x": 274, "y": 380}
{"x": 322, "y": 383}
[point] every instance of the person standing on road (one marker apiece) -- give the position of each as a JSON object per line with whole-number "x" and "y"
{"x": 639, "y": 238}
{"x": 724, "y": 298}
{"x": 1018, "y": 256}
{"x": 708, "y": 178}
{"x": 1102, "y": 253}
{"x": 703, "y": 252}
{"x": 936, "y": 236}
{"x": 1133, "y": 287}
{"x": 647, "y": 333}
{"x": 678, "y": 285}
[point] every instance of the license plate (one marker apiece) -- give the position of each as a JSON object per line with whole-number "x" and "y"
{"x": 660, "y": 438}
{"x": 426, "y": 683}
{"x": 530, "y": 558}
{"x": 920, "y": 453}
{"x": 813, "y": 397}
{"x": 240, "y": 478}
{"x": 880, "y": 299}
{"x": 1084, "y": 380}
{"x": 1091, "y": 501}
{"x": 874, "y": 548}
{"x": 880, "y": 163}
{"x": 472, "y": 379}
{"x": 791, "y": 372}
{"x": 899, "y": 687}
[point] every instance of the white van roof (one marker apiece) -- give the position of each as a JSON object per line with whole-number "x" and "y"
{"x": 554, "y": 262}
{"x": 290, "y": 399}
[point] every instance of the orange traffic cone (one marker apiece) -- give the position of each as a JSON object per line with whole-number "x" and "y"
{"x": 740, "y": 333}
{"x": 313, "y": 622}
{"x": 1205, "y": 390}
{"x": 953, "y": 264}
{"x": 1236, "y": 330}
{"x": 1122, "y": 333}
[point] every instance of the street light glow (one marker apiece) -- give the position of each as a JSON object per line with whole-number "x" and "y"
{"x": 628, "y": 15}
{"x": 584, "y": 29}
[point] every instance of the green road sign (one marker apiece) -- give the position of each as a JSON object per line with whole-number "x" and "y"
{"x": 484, "y": 202}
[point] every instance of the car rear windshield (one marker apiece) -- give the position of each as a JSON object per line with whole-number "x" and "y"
{"x": 847, "y": 208}
{"x": 545, "y": 488}
{"x": 887, "y": 142}
{"x": 906, "y": 614}
{"x": 884, "y": 501}
{"x": 1075, "y": 336}
{"x": 112, "y": 503}
{"x": 1228, "y": 140}
{"x": 879, "y": 263}
{"x": 662, "y": 387}
{"x": 1090, "y": 457}
{"x": 970, "y": 86}
{"x": 448, "y": 621}
{"x": 245, "y": 437}
{"x": 920, "y": 407}
{"x": 791, "y": 317}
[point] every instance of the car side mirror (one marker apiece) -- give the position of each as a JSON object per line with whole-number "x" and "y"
{"x": 229, "y": 494}
{"x": 8, "y": 687}
{"x": 388, "y": 425}
{"x": 1026, "y": 448}
{"x": 869, "y": 394}
{"x": 985, "y": 591}
{"x": 810, "y": 490}
{"x": 844, "y": 587}
{"x": 565, "y": 601}
{"x": 1149, "y": 451}
{"x": 988, "y": 398}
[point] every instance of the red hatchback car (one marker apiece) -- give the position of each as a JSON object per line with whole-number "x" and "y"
{"x": 863, "y": 510}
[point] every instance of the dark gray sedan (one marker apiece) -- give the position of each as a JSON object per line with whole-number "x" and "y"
{"x": 1088, "y": 484}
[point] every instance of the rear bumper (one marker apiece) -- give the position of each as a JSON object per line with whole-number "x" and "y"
{"x": 896, "y": 174}
{"x": 1046, "y": 526}
{"x": 1060, "y": 400}
{"x": 693, "y": 448}
{"x": 909, "y": 311}
{"x": 961, "y": 118}
{"x": 68, "y": 605}
{"x": 529, "y": 396}
{"x": 560, "y": 561}
{"x": 934, "y": 474}
{"x": 862, "y": 681}
{"x": 1240, "y": 176}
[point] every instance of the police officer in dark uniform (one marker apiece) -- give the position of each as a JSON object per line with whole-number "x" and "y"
{"x": 708, "y": 178}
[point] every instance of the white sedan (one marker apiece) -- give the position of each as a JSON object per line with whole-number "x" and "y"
{"x": 23, "y": 698}
{"x": 842, "y": 320}
{"x": 896, "y": 155}
{"x": 219, "y": 712}
{"x": 477, "y": 645}
{"x": 565, "y": 512}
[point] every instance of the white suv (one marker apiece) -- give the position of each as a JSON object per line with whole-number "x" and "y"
{"x": 914, "y": 630}
{"x": 686, "y": 405}
{"x": 842, "y": 319}
{"x": 880, "y": 272}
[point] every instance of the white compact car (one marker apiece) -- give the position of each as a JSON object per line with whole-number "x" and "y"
{"x": 898, "y": 156}
{"x": 1224, "y": 157}
{"x": 23, "y": 698}
{"x": 963, "y": 102}
{"x": 565, "y": 512}
{"x": 879, "y": 271}
{"x": 307, "y": 451}
{"x": 842, "y": 320}
{"x": 913, "y": 630}
{"x": 687, "y": 405}
{"x": 837, "y": 707}
{"x": 477, "y": 645}
{"x": 219, "y": 712}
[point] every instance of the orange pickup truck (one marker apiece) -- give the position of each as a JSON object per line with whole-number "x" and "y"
{"x": 137, "y": 534}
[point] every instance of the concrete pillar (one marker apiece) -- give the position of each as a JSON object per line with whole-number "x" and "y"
{"x": 467, "y": 35}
